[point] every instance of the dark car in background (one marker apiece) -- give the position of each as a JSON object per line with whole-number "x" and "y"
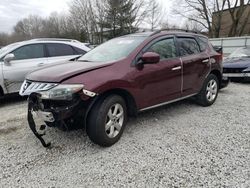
{"x": 120, "y": 78}
{"x": 237, "y": 65}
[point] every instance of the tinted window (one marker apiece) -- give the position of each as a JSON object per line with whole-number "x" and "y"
{"x": 29, "y": 52}
{"x": 59, "y": 50}
{"x": 188, "y": 46}
{"x": 203, "y": 43}
{"x": 79, "y": 51}
{"x": 165, "y": 48}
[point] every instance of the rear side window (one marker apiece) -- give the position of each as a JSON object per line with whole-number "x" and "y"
{"x": 79, "y": 51}
{"x": 203, "y": 43}
{"x": 188, "y": 46}
{"x": 29, "y": 52}
{"x": 59, "y": 49}
{"x": 165, "y": 48}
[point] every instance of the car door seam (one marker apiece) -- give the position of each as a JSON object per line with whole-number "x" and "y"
{"x": 181, "y": 75}
{"x": 210, "y": 65}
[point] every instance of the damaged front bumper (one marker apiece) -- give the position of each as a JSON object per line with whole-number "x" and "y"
{"x": 45, "y": 116}
{"x": 65, "y": 115}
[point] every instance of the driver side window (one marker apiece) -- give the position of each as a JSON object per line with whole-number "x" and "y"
{"x": 165, "y": 48}
{"x": 29, "y": 52}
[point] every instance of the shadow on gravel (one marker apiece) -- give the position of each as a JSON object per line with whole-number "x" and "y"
{"x": 8, "y": 130}
{"x": 165, "y": 110}
{"x": 224, "y": 91}
{"x": 12, "y": 99}
{"x": 174, "y": 105}
{"x": 62, "y": 140}
{"x": 79, "y": 136}
{"x": 241, "y": 81}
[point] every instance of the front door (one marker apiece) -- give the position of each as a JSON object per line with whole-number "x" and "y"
{"x": 160, "y": 82}
{"x": 27, "y": 58}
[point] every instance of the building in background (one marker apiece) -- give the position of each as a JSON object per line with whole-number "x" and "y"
{"x": 227, "y": 27}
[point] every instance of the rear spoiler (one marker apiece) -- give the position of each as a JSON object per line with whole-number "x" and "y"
{"x": 218, "y": 49}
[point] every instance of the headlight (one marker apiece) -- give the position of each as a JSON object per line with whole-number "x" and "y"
{"x": 61, "y": 92}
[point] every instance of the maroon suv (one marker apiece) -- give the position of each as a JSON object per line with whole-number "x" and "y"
{"x": 120, "y": 78}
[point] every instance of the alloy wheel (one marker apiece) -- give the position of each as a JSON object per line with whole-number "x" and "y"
{"x": 114, "y": 120}
{"x": 212, "y": 89}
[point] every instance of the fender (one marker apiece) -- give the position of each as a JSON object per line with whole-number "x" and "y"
{"x": 112, "y": 87}
{"x": 123, "y": 85}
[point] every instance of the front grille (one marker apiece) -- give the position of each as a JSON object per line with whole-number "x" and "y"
{"x": 29, "y": 87}
{"x": 233, "y": 70}
{"x": 54, "y": 104}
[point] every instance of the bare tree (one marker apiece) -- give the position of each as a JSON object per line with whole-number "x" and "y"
{"x": 4, "y": 39}
{"x": 209, "y": 14}
{"x": 155, "y": 13}
{"x": 79, "y": 12}
{"x": 30, "y": 27}
{"x": 201, "y": 12}
{"x": 191, "y": 25}
{"x": 140, "y": 12}
{"x": 100, "y": 18}
{"x": 51, "y": 26}
{"x": 88, "y": 20}
{"x": 89, "y": 15}
{"x": 196, "y": 11}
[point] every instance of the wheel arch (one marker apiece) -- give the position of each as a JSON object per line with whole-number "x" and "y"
{"x": 1, "y": 91}
{"x": 127, "y": 96}
{"x": 218, "y": 74}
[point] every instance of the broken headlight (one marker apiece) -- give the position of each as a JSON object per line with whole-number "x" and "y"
{"x": 61, "y": 92}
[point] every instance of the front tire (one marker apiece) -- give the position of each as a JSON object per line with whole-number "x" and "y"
{"x": 209, "y": 91}
{"x": 107, "y": 120}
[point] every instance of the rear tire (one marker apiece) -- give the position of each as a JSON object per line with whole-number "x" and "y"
{"x": 107, "y": 120}
{"x": 209, "y": 91}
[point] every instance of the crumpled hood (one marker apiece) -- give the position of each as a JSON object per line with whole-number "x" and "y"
{"x": 59, "y": 72}
{"x": 237, "y": 63}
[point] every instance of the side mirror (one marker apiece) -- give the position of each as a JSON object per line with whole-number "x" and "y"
{"x": 150, "y": 58}
{"x": 8, "y": 58}
{"x": 218, "y": 49}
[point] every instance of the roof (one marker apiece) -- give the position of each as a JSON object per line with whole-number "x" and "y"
{"x": 55, "y": 39}
{"x": 165, "y": 31}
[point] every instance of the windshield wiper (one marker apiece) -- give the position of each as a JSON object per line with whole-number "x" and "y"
{"x": 84, "y": 60}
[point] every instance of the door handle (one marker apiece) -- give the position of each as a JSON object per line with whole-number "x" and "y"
{"x": 205, "y": 61}
{"x": 40, "y": 64}
{"x": 176, "y": 68}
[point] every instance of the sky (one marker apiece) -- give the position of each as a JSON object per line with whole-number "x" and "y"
{"x": 11, "y": 11}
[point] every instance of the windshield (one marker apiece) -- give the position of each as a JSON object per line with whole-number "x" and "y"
{"x": 6, "y": 48}
{"x": 240, "y": 52}
{"x": 113, "y": 50}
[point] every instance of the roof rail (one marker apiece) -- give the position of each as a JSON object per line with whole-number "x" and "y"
{"x": 183, "y": 30}
{"x": 55, "y": 39}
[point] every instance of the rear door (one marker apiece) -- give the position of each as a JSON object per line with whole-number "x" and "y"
{"x": 58, "y": 52}
{"x": 160, "y": 82}
{"x": 196, "y": 64}
{"x": 27, "y": 58}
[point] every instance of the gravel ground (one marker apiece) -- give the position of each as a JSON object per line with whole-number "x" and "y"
{"x": 179, "y": 145}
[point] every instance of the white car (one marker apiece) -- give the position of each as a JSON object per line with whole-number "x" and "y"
{"x": 18, "y": 59}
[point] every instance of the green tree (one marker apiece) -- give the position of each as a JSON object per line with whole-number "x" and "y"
{"x": 120, "y": 17}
